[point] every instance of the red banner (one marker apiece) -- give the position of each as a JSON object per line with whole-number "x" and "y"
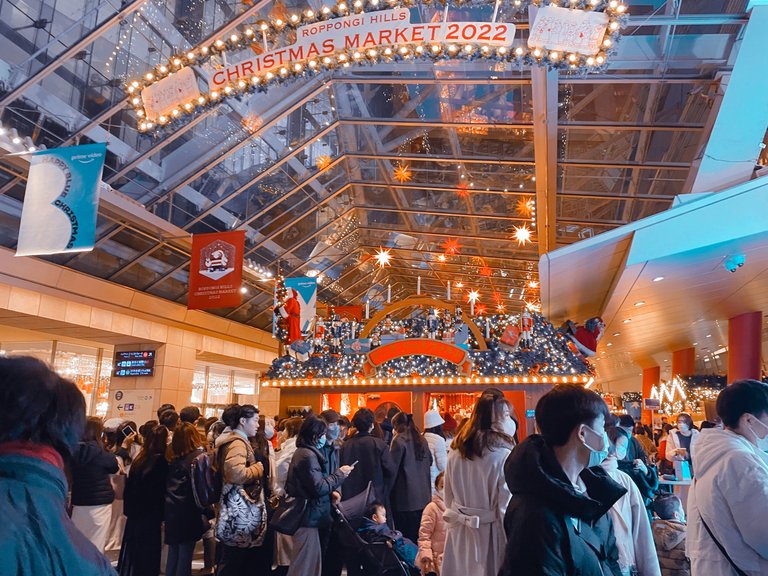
{"x": 216, "y": 270}
{"x": 418, "y": 346}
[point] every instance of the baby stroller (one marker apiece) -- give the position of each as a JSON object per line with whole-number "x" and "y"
{"x": 364, "y": 558}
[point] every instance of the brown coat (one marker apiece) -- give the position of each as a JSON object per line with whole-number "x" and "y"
{"x": 669, "y": 537}
{"x": 238, "y": 465}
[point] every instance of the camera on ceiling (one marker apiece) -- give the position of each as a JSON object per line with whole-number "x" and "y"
{"x": 733, "y": 263}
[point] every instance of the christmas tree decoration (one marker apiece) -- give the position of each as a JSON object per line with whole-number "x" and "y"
{"x": 322, "y": 162}
{"x": 451, "y": 246}
{"x": 522, "y": 234}
{"x": 383, "y": 257}
{"x": 402, "y": 173}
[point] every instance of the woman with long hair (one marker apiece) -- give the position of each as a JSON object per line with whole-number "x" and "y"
{"x": 92, "y": 491}
{"x": 682, "y": 442}
{"x": 411, "y": 490}
{"x": 144, "y": 501}
{"x": 476, "y": 494}
{"x": 185, "y": 523}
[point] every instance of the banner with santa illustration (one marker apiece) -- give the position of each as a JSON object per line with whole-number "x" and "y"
{"x": 306, "y": 294}
{"x": 216, "y": 270}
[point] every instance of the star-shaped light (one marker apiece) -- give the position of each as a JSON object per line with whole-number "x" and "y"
{"x": 497, "y": 297}
{"x": 522, "y": 234}
{"x": 442, "y": 258}
{"x": 525, "y": 206}
{"x": 485, "y": 271}
{"x": 533, "y": 284}
{"x": 402, "y": 173}
{"x": 459, "y": 284}
{"x": 451, "y": 246}
{"x": 462, "y": 190}
{"x": 383, "y": 257}
{"x": 322, "y": 162}
{"x": 473, "y": 296}
{"x": 500, "y": 307}
{"x": 533, "y": 306}
{"x": 481, "y": 309}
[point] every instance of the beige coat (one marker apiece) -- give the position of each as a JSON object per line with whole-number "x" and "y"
{"x": 238, "y": 466}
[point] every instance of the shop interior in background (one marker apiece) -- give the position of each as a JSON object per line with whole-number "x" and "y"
{"x": 214, "y": 386}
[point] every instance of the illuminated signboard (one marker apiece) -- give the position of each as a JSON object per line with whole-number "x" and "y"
{"x": 139, "y": 363}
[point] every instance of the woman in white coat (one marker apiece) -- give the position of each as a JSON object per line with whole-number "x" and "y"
{"x": 681, "y": 442}
{"x": 476, "y": 494}
{"x": 631, "y": 526}
{"x": 435, "y": 437}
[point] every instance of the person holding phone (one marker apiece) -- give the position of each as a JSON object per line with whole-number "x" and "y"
{"x": 681, "y": 442}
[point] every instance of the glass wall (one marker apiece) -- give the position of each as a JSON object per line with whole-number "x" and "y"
{"x": 88, "y": 367}
{"x": 213, "y": 387}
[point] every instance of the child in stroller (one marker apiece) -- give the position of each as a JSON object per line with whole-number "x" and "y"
{"x": 374, "y": 529}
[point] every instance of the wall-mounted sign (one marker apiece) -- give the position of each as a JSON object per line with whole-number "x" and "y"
{"x": 135, "y": 363}
{"x": 133, "y": 405}
{"x": 651, "y": 404}
{"x": 170, "y": 93}
{"x": 61, "y": 200}
{"x": 575, "y": 31}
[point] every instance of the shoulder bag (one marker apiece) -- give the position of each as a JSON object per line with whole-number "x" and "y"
{"x": 288, "y": 514}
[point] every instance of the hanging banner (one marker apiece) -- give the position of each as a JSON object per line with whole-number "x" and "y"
{"x": 306, "y": 294}
{"x": 362, "y": 32}
{"x": 216, "y": 270}
{"x": 575, "y": 31}
{"x": 172, "y": 91}
{"x": 61, "y": 200}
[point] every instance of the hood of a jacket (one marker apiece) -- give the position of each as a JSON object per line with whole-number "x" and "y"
{"x": 714, "y": 445}
{"x": 669, "y": 533}
{"x": 228, "y": 436}
{"x": 439, "y": 502}
{"x": 533, "y": 469}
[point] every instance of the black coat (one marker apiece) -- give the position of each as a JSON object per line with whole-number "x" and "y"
{"x": 145, "y": 489}
{"x": 184, "y": 521}
{"x": 374, "y": 464}
{"x": 90, "y": 467}
{"x": 412, "y": 488}
{"x": 541, "y": 536}
{"x": 307, "y": 480}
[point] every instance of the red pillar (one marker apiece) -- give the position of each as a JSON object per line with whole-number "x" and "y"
{"x": 744, "y": 343}
{"x": 651, "y": 377}
{"x": 684, "y": 362}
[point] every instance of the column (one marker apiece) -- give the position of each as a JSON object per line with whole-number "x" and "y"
{"x": 651, "y": 377}
{"x": 684, "y": 362}
{"x": 744, "y": 343}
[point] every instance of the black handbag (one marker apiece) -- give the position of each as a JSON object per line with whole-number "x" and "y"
{"x": 288, "y": 514}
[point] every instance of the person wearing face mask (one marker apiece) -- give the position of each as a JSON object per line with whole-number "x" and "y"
{"x": 239, "y": 468}
{"x": 476, "y": 495}
{"x": 333, "y": 562}
{"x": 681, "y": 442}
{"x": 631, "y": 524}
{"x": 557, "y": 521}
{"x": 432, "y": 531}
{"x": 646, "y": 478}
{"x": 728, "y": 500}
{"x": 411, "y": 491}
{"x": 307, "y": 480}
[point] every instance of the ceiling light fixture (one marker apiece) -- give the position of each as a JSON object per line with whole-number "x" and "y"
{"x": 617, "y": 333}
{"x": 627, "y": 320}
{"x": 658, "y": 278}
{"x": 639, "y": 303}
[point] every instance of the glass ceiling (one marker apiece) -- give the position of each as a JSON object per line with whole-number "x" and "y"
{"x": 625, "y": 141}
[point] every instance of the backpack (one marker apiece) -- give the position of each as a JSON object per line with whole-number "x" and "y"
{"x": 206, "y": 479}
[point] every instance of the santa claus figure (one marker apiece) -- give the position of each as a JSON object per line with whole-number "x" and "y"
{"x": 291, "y": 311}
{"x": 586, "y": 337}
{"x": 319, "y": 331}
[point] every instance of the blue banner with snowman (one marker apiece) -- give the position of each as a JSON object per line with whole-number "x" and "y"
{"x": 61, "y": 200}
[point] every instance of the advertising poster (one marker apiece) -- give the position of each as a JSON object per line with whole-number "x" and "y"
{"x": 306, "y": 295}
{"x": 216, "y": 270}
{"x": 61, "y": 200}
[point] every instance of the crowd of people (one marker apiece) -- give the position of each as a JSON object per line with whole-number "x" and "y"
{"x": 579, "y": 497}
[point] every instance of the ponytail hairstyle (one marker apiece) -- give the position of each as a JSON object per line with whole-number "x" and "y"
{"x": 404, "y": 425}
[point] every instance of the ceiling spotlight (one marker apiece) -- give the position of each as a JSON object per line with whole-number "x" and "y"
{"x": 627, "y": 320}
{"x": 658, "y": 278}
{"x": 617, "y": 333}
{"x": 243, "y": 290}
{"x": 709, "y": 335}
{"x": 639, "y": 303}
{"x": 695, "y": 344}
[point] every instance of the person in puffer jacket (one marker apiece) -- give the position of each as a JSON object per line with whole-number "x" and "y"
{"x": 669, "y": 536}
{"x": 432, "y": 531}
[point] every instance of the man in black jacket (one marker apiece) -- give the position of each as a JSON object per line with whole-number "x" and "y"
{"x": 635, "y": 450}
{"x": 556, "y": 521}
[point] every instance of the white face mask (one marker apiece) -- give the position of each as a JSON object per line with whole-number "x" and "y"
{"x": 509, "y": 427}
{"x": 683, "y": 427}
{"x": 269, "y": 432}
{"x": 762, "y": 443}
{"x": 441, "y": 493}
{"x": 621, "y": 451}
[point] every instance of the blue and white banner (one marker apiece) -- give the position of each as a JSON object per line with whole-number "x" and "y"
{"x": 306, "y": 289}
{"x": 61, "y": 200}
